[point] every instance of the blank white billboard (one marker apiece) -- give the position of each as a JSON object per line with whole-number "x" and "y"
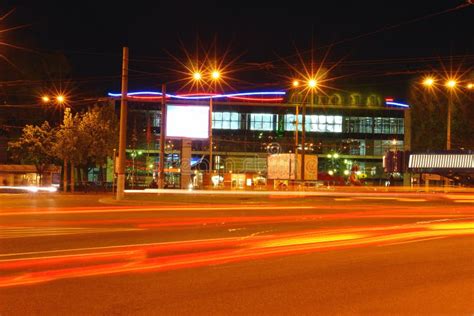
{"x": 187, "y": 121}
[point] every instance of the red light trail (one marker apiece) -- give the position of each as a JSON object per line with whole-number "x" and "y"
{"x": 42, "y": 266}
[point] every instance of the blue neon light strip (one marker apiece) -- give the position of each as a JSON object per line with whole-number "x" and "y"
{"x": 199, "y": 97}
{"x": 403, "y": 105}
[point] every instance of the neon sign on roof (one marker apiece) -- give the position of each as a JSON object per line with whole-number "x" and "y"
{"x": 397, "y": 104}
{"x": 266, "y": 96}
{"x": 248, "y": 96}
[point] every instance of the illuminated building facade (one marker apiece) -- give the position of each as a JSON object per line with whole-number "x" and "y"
{"x": 343, "y": 130}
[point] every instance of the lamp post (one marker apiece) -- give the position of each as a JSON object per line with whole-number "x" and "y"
{"x": 215, "y": 75}
{"x": 296, "y": 84}
{"x": 161, "y": 174}
{"x": 451, "y": 85}
{"x": 123, "y": 128}
{"x": 59, "y": 100}
{"x": 312, "y": 84}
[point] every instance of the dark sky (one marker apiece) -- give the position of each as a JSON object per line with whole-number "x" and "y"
{"x": 91, "y": 35}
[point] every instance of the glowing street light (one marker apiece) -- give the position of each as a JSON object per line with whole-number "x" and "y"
{"x": 451, "y": 83}
{"x": 428, "y": 82}
{"x": 312, "y": 83}
{"x": 470, "y": 86}
{"x": 60, "y": 98}
{"x": 216, "y": 75}
{"x": 45, "y": 99}
{"x": 197, "y": 76}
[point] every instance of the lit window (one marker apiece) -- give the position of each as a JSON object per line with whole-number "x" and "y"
{"x": 261, "y": 122}
{"x": 385, "y": 125}
{"x": 323, "y": 123}
{"x": 225, "y": 120}
{"x": 290, "y": 122}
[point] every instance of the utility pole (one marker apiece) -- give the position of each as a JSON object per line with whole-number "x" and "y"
{"x": 303, "y": 139}
{"x": 448, "y": 125}
{"x": 296, "y": 141}
{"x": 161, "y": 184}
{"x": 210, "y": 138}
{"x": 123, "y": 128}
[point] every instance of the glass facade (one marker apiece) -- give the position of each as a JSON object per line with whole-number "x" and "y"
{"x": 226, "y": 120}
{"x": 261, "y": 122}
{"x": 382, "y": 146}
{"x": 354, "y": 124}
{"x": 315, "y": 123}
{"x": 388, "y": 125}
{"x": 376, "y": 125}
{"x": 324, "y": 123}
{"x": 290, "y": 122}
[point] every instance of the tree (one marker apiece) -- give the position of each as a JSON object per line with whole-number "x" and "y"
{"x": 98, "y": 135}
{"x": 35, "y": 147}
{"x": 66, "y": 144}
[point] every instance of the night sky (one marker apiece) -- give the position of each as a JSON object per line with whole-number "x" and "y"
{"x": 374, "y": 42}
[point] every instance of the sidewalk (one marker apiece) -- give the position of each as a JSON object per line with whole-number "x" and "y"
{"x": 185, "y": 197}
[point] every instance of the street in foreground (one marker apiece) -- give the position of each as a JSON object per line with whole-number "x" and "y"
{"x": 378, "y": 253}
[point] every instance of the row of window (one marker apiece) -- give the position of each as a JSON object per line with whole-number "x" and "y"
{"x": 313, "y": 123}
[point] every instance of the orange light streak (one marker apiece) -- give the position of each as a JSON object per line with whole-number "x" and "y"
{"x": 194, "y": 253}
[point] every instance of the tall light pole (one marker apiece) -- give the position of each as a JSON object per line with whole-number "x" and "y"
{"x": 215, "y": 75}
{"x": 296, "y": 84}
{"x": 451, "y": 84}
{"x": 161, "y": 172}
{"x": 60, "y": 101}
{"x": 123, "y": 128}
{"x": 312, "y": 84}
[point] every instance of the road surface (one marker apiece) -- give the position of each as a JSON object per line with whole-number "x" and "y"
{"x": 366, "y": 254}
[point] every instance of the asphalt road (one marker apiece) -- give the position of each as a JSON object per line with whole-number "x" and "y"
{"x": 331, "y": 254}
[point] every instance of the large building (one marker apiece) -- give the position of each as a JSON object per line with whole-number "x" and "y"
{"x": 342, "y": 130}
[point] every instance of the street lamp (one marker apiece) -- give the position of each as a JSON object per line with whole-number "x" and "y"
{"x": 451, "y": 85}
{"x": 214, "y": 76}
{"x": 428, "y": 82}
{"x": 197, "y": 76}
{"x": 311, "y": 85}
{"x": 59, "y": 100}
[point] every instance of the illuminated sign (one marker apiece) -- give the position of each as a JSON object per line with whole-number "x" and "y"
{"x": 185, "y": 121}
{"x": 441, "y": 161}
